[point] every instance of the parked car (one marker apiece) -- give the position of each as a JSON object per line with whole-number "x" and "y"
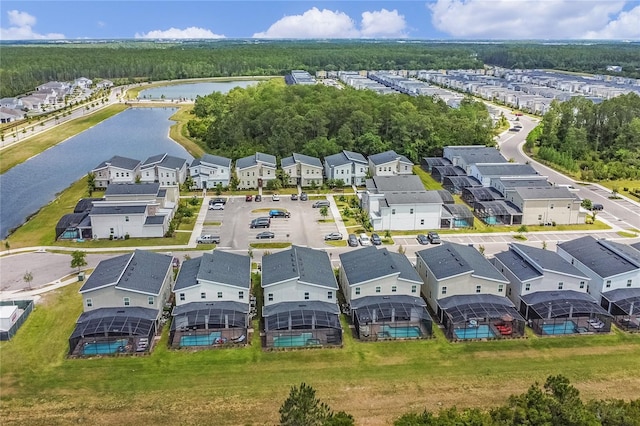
{"x": 258, "y": 198}
{"x": 218, "y": 201}
{"x": 261, "y": 222}
{"x": 279, "y": 213}
{"x": 422, "y": 239}
{"x": 333, "y": 236}
{"x": 321, "y": 203}
{"x": 364, "y": 240}
{"x": 597, "y": 207}
{"x": 208, "y": 239}
{"x": 218, "y": 206}
{"x": 303, "y": 196}
{"x": 352, "y": 240}
{"x": 433, "y": 237}
{"x": 275, "y": 197}
{"x": 294, "y": 197}
{"x": 248, "y": 198}
{"x": 515, "y": 129}
{"x": 376, "y": 240}
{"x": 265, "y": 234}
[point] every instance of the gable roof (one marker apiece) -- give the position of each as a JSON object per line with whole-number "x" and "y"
{"x": 307, "y": 159}
{"x": 344, "y": 157}
{"x": 164, "y": 160}
{"x": 302, "y": 263}
{"x": 148, "y": 188}
{"x": 400, "y": 183}
{"x": 387, "y": 157}
{"x": 422, "y": 197}
{"x": 605, "y": 258}
{"x": 525, "y": 181}
{"x": 506, "y": 169}
{"x": 356, "y": 157}
{"x": 220, "y": 267}
{"x": 477, "y": 154}
{"x": 370, "y": 263}
{"x": 544, "y": 193}
{"x": 120, "y": 163}
{"x": 141, "y": 271}
{"x": 451, "y": 259}
{"x": 528, "y": 262}
{"x": 253, "y": 160}
{"x": 213, "y": 160}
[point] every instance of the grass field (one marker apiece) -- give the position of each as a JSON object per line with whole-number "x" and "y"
{"x": 22, "y": 151}
{"x": 375, "y": 382}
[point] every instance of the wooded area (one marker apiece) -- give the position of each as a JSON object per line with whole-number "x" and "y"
{"x": 320, "y": 121}
{"x": 598, "y": 141}
{"x": 26, "y": 65}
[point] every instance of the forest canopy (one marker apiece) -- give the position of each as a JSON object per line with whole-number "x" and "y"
{"x": 317, "y": 120}
{"x": 25, "y": 66}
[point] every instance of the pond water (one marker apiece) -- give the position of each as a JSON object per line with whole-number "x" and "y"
{"x": 192, "y": 90}
{"x": 135, "y": 133}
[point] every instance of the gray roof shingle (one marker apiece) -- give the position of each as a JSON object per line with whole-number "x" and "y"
{"x": 150, "y": 188}
{"x": 371, "y": 263}
{"x": 141, "y": 271}
{"x": 387, "y": 157}
{"x": 213, "y": 160}
{"x": 219, "y": 267}
{"x": 478, "y": 154}
{"x": 307, "y": 159}
{"x": 451, "y": 259}
{"x": 118, "y": 210}
{"x": 547, "y": 260}
{"x": 119, "y": 162}
{"x": 507, "y": 169}
{"x": 605, "y": 258}
{"x": 252, "y": 160}
{"x": 304, "y": 264}
{"x": 401, "y": 183}
{"x": 424, "y": 197}
{"x": 545, "y": 193}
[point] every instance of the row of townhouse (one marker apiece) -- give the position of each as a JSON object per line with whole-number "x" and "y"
{"x": 583, "y": 288}
{"x": 500, "y": 192}
{"x": 164, "y": 169}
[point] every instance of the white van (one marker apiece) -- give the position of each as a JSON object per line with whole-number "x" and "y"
{"x": 364, "y": 240}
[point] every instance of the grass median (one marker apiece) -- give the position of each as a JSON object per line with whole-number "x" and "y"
{"x": 247, "y": 385}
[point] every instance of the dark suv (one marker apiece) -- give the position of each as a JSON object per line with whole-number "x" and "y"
{"x": 433, "y": 237}
{"x": 352, "y": 240}
{"x": 261, "y": 222}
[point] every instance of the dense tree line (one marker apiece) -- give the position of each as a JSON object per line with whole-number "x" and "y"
{"x": 319, "y": 121}
{"x": 598, "y": 141}
{"x": 25, "y": 66}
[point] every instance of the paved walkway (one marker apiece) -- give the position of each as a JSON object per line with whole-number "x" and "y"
{"x": 337, "y": 216}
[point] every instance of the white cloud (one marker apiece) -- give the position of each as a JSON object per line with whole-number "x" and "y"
{"x": 383, "y": 23}
{"x": 522, "y": 19}
{"x": 315, "y": 23}
{"x": 625, "y": 26}
{"x": 101, "y": 24}
{"x": 20, "y": 28}
{"x": 191, "y": 32}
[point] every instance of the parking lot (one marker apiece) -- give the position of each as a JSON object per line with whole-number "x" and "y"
{"x": 302, "y": 228}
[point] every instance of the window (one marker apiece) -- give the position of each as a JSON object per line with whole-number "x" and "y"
{"x": 270, "y": 297}
{"x": 421, "y": 221}
{"x": 126, "y": 301}
{"x": 394, "y": 289}
{"x": 509, "y": 291}
{"x": 219, "y": 295}
{"x": 628, "y": 283}
{"x": 111, "y": 230}
{"x": 306, "y": 295}
{"x": 126, "y": 218}
{"x": 410, "y": 211}
{"x": 393, "y": 211}
{"x": 478, "y": 289}
{"x": 150, "y": 300}
{"x": 608, "y": 283}
{"x": 527, "y": 287}
{"x": 581, "y": 284}
{"x": 444, "y": 290}
{"x": 182, "y": 297}
{"x": 357, "y": 290}
{"x": 241, "y": 295}
{"x": 414, "y": 288}
{"x": 560, "y": 285}
{"x": 551, "y": 206}
{"x": 539, "y": 217}
{"x": 203, "y": 295}
{"x": 89, "y": 303}
{"x": 378, "y": 289}
{"x": 500, "y": 288}
{"x": 329, "y": 295}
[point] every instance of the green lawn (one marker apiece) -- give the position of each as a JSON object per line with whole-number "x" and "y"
{"x": 269, "y": 245}
{"x": 247, "y": 385}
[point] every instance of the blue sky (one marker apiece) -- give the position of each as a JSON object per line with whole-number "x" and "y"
{"x": 431, "y": 19}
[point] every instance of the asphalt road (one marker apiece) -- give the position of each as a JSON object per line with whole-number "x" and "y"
{"x": 620, "y": 212}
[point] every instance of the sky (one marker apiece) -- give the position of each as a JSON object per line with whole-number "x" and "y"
{"x": 303, "y": 19}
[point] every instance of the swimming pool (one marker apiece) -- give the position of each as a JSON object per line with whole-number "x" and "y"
{"x": 291, "y": 341}
{"x": 482, "y": 331}
{"x": 200, "y": 339}
{"x": 401, "y": 332}
{"x": 565, "y": 327}
{"x": 101, "y": 348}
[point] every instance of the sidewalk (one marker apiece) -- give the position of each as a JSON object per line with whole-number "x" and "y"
{"x": 35, "y": 293}
{"x": 337, "y": 216}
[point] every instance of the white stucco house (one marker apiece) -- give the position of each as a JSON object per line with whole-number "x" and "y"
{"x": 210, "y": 171}
{"x": 302, "y": 170}
{"x": 212, "y": 295}
{"x": 349, "y": 166}
{"x": 165, "y": 169}
{"x": 116, "y": 170}
{"x": 389, "y": 163}
{"x": 255, "y": 170}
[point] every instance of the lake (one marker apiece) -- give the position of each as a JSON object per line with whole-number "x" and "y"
{"x": 135, "y": 133}
{"x": 192, "y": 90}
